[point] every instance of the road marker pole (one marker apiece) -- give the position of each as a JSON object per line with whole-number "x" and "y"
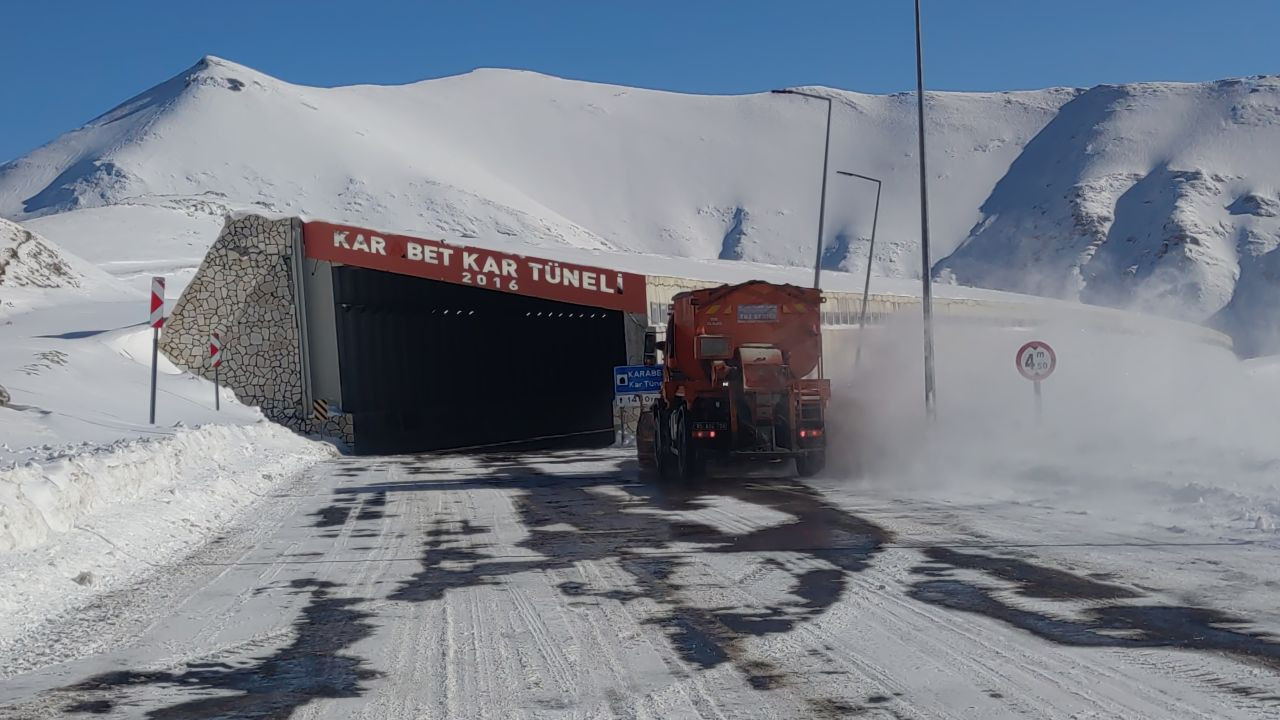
{"x": 620, "y": 413}
{"x": 157, "y": 322}
{"x": 215, "y": 357}
{"x": 155, "y": 359}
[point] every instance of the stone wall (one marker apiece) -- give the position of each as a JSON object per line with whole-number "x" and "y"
{"x": 244, "y": 291}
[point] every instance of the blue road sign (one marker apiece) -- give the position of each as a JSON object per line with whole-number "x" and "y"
{"x": 637, "y": 379}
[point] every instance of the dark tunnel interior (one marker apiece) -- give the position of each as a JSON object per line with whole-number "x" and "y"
{"x": 428, "y": 365}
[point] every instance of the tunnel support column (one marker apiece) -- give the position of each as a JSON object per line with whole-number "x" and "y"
{"x": 300, "y": 309}
{"x": 625, "y": 417}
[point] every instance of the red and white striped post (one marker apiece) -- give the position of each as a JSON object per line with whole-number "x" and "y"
{"x": 215, "y": 358}
{"x": 157, "y": 322}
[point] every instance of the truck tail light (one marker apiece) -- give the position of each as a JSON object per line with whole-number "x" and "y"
{"x": 811, "y": 433}
{"x": 704, "y": 434}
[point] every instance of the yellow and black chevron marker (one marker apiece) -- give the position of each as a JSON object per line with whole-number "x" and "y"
{"x": 716, "y": 309}
{"x": 320, "y": 408}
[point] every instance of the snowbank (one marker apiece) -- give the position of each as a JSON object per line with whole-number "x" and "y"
{"x": 38, "y": 501}
{"x": 74, "y": 527}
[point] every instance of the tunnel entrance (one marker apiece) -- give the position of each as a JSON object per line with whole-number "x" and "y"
{"x": 432, "y": 365}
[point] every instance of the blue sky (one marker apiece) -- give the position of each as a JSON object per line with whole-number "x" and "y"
{"x": 75, "y": 59}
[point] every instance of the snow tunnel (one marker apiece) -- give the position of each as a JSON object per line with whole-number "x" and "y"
{"x": 429, "y": 365}
{"x": 428, "y": 346}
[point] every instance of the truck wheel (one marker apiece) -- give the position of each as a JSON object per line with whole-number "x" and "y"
{"x": 661, "y": 445}
{"x": 690, "y": 464}
{"x": 646, "y": 456}
{"x": 812, "y": 464}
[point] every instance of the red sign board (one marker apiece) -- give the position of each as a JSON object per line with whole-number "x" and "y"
{"x": 490, "y": 269}
{"x": 1036, "y": 360}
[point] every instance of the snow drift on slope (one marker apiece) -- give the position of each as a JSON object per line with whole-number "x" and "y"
{"x": 31, "y": 266}
{"x": 28, "y": 260}
{"x": 142, "y": 238}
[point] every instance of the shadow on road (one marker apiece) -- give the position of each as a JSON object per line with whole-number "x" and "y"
{"x": 1118, "y": 625}
{"x": 570, "y": 520}
{"x": 271, "y": 687}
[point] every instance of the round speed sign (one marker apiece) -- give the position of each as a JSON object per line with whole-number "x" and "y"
{"x": 1036, "y": 360}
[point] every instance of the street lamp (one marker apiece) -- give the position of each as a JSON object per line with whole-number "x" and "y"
{"x": 866, "y": 287}
{"x": 930, "y": 400}
{"x": 822, "y": 202}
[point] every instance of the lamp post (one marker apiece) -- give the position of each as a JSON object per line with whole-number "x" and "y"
{"x": 871, "y": 250}
{"x": 822, "y": 202}
{"x": 930, "y": 400}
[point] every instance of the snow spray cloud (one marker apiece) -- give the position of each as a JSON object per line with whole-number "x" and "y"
{"x": 1119, "y": 406}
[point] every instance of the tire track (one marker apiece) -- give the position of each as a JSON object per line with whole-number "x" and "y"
{"x": 996, "y": 673}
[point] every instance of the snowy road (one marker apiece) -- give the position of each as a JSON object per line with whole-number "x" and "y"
{"x": 567, "y": 585}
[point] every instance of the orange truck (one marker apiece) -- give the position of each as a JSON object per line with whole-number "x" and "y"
{"x": 736, "y": 385}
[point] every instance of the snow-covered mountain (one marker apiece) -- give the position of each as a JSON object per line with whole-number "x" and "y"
{"x": 508, "y": 154}
{"x": 1027, "y": 182}
{"x": 1159, "y": 197}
